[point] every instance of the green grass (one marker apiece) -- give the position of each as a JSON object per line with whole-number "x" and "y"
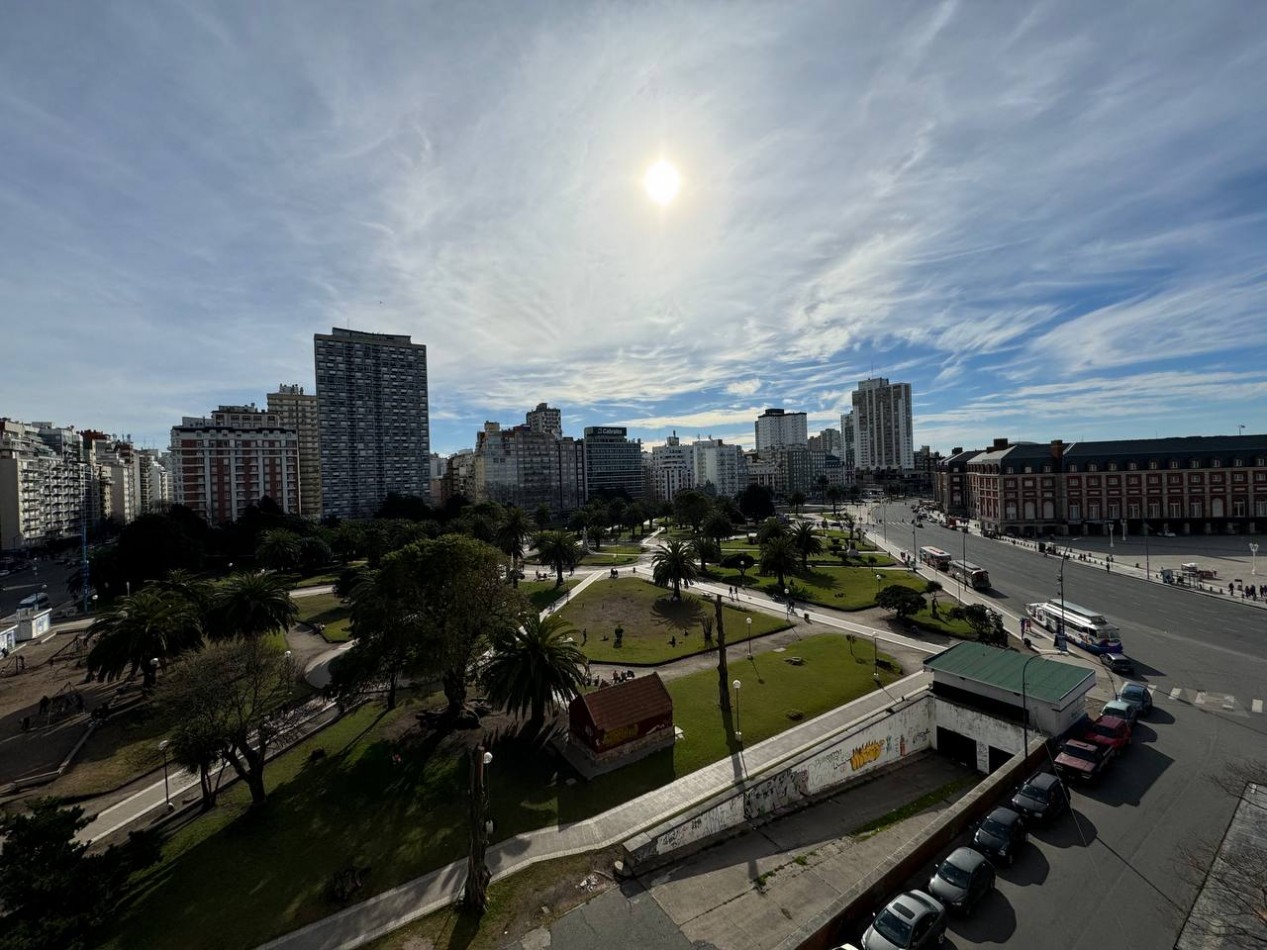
{"x": 235, "y": 879}
{"x": 541, "y": 594}
{"x": 651, "y": 620}
{"x": 329, "y": 610}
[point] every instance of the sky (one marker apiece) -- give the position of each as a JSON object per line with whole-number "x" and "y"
{"x": 1050, "y": 219}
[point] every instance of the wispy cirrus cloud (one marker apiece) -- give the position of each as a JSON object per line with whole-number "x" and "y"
{"x": 978, "y": 201}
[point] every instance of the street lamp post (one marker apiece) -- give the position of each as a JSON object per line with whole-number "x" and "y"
{"x": 1025, "y": 706}
{"x": 1110, "y": 535}
{"x": 1148, "y": 567}
{"x": 738, "y": 733}
{"x": 1060, "y": 624}
{"x": 167, "y": 794}
{"x": 878, "y": 579}
{"x": 749, "y": 620}
{"x": 1253, "y": 557}
{"x": 914, "y": 546}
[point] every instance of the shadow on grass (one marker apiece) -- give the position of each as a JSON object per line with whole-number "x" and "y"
{"x": 681, "y": 615}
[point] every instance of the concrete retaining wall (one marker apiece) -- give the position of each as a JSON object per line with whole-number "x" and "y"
{"x": 873, "y": 743}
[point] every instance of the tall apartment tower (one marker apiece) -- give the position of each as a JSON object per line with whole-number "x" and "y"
{"x": 372, "y": 420}
{"x": 613, "y": 462}
{"x": 298, "y": 410}
{"x": 672, "y": 468}
{"x": 44, "y": 483}
{"x": 882, "y": 421}
{"x": 779, "y": 429}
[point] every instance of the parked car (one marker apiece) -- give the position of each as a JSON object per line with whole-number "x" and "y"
{"x": 1083, "y": 760}
{"x": 1121, "y": 709}
{"x": 1110, "y": 731}
{"x": 911, "y": 921}
{"x": 1000, "y": 834}
{"x": 1118, "y": 663}
{"x": 1041, "y": 798}
{"x": 962, "y": 880}
{"x": 1139, "y": 696}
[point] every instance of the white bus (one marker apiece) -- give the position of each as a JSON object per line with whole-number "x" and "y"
{"x": 1086, "y": 628}
{"x": 978, "y": 578}
{"x": 935, "y": 556}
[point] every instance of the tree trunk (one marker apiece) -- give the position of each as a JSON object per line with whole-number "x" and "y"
{"x": 205, "y": 786}
{"x": 478, "y": 876}
{"x": 241, "y": 756}
{"x": 454, "y": 690}
{"x": 392, "y": 679}
{"x": 723, "y": 673}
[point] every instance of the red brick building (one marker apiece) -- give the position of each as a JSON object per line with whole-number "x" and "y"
{"x": 1187, "y": 485}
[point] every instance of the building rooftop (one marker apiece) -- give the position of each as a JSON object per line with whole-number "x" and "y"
{"x": 1045, "y": 680}
{"x": 627, "y": 703}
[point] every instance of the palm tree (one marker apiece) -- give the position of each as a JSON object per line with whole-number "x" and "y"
{"x": 717, "y": 526}
{"x": 674, "y": 563}
{"x": 806, "y": 541}
{"x": 770, "y": 528}
{"x": 796, "y": 499}
{"x": 511, "y": 533}
{"x": 150, "y": 624}
{"x": 278, "y": 549}
{"x": 834, "y": 495}
{"x": 559, "y": 549}
{"x": 534, "y": 668}
{"x": 250, "y": 605}
{"x": 779, "y": 556}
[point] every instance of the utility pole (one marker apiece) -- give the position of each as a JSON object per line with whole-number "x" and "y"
{"x": 723, "y": 674}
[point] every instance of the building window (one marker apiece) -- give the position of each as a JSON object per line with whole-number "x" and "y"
{"x": 1152, "y": 466}
{"x": 1093, "y": 482}
{"x": 1072, "y": 468}
{"x": 1115, "y": 480}
{"x": 1092, "y": 467}
{"x": 1132, "y": 510}
{"x": 1194, "y": 507}
{"x": 1238, "y": 507}
{"x": 1075, "y": 512}
{"x": 1216, "y": 463}
{"x": 1115, "y": 511}
{"x": 1113, "y": 466}
{"x": 1238, "y": 462}
{"x": 1175, "y": 507}
{"x": 1238, "y": 478}
{"x": 1132, "y": 466}
{"x": 1174, "y": 463}
{"x": 1154, "y": 509}
{"x": 1047, "y": 467}
{"x": 1194, "y": 463}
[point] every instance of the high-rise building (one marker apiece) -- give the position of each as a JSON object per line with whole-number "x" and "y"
{"x": 235, "y": 458}
{"x": 298, "y": 410}
{"x": 848, "y": 441}
{"x": 779, "y": 429}
{"x": 882, "y": 416}
{"x": 373, "y": 420}
{"x": 528, "y": 467}
{"x": 153, "y": 480}
{"x": 828, "y": 442}
{"x": 546, "y": 420}
{"x": 672, "y": 468}
{"x": 44, "y": 483}
{"x": 613, "y": 462}
{"x": 722, "y": 466}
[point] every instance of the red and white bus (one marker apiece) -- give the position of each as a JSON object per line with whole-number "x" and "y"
{"x": 978, "y": 578}
{"x": 935, "y": 556}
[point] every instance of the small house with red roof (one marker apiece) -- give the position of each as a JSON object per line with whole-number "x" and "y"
{"x": 612, "y": 726}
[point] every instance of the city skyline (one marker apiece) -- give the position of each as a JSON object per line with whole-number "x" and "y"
{"x": 1047, "y": 221}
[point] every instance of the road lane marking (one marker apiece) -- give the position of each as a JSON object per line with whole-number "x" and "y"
{"x": 1200, "y": 700}
{"x": 1229, "y": 702}
{"x": 1256, "y": 705}
{"x": 1174, "y": 693}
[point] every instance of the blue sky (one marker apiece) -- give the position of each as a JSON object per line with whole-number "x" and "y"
{"x": 1050, "y": 219}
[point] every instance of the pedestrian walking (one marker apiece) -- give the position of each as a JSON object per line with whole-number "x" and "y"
{"x": 585, "y": 635}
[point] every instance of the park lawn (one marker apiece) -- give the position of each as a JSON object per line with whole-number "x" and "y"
{"x": 651, "y": 619}
{"x": 329, "y": 610}
{"x": 943, "y": 624}
{"x": 234, "y": 879}
{"x": 604, "y": 558}
{"x": 827, "y": 585}
{"x": 541, "y": 594}
{"x": 120, "y": 750}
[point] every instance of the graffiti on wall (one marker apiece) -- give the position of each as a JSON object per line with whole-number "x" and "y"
{"x": 776, "y": 793}
{"x": 865, "y": 754}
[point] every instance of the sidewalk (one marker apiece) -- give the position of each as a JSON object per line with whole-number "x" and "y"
{"x": 379, "y": 915}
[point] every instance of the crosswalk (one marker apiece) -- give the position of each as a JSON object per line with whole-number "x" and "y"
{"x": 1224, "y": 702}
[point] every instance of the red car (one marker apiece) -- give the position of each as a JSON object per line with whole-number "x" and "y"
{"x": 1083, "y": 760}
{"x": 1110, "y": 731}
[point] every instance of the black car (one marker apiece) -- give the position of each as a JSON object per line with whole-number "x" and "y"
{"x": 1118, "y": 663}
{"x": 1041, "y": 798}
{"x": 1000, "y": 834}
{"x": 962, "y": 880}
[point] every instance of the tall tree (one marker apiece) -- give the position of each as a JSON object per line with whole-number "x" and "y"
{"x": 151, "y": 624}
{"x": 780, "y": 557}
{"x": 388, "y": 638}
{"x": 541, "y": 517}
{"x": 534, "y": 667}
{"x": 511, "y": 534}
{"x": 674, "y": 564}
{"x": 796, "y": 499}
{"x": 903, "y": 601}
{"x": 834, "y": 494}
{"x": 234, "y": 693}
{"x": 807, "y": 542}
{"x": 706, "y": 549}
{"x": 249, "y": 604}
{"x": 691, "y": 506}
{"x": 717, "y": 526}
{"x": 756, "y": 503}
{"x": 57, "y": 894}
{"x": 560, "y": 550}
{"x": 770, "y": 528}
{"x": 453, "y": 587}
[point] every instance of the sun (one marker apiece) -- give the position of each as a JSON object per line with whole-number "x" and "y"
{"x": 662, "y": 182}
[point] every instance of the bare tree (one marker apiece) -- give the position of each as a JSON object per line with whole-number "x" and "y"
{"x": 1230, "y": 876}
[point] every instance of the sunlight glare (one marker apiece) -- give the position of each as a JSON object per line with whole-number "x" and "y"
{"x": 662, "y": 182}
